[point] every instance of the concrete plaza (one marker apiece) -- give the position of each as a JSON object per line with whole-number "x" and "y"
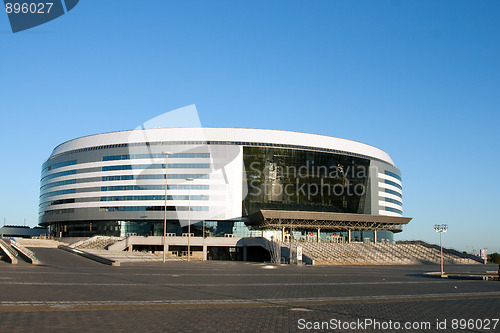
{"x": 70, "y": 293}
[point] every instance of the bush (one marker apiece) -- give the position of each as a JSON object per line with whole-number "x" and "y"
{"x": 494, "y": 258}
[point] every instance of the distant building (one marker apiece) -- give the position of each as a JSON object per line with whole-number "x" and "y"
{"x": 224, "y": 181}
{"x": 21, "y": 231}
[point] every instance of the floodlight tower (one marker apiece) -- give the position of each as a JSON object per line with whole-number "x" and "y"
{"x": 441, "y": 228}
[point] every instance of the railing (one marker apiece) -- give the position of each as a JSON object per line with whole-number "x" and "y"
{"x": 9, "y": 251}
{"x": 362, "y": 253}
{"x": 26, "y": 252}
{"x": 9, "y": 248}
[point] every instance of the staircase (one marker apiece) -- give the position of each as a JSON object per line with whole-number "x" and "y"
{"x": 378, "y": 254}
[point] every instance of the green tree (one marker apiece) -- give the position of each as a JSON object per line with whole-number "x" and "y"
{"x": 495, "y": 258}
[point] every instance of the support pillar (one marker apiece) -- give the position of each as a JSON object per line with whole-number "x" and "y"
{"x": 283, "y": 234}
{"x": 349, "y": 239}
{"x": 245, "y": 253}
{"x": 204, "y": 252}
{"x": 375, "y": 236}
{"x": 319, "y": 234}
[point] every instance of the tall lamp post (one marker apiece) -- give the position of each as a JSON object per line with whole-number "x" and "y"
{"x": 441, "y": 228}
{"x": 167, "y": 154}
{"x": 205, "y": 197}
{"x": 189, "y": 180}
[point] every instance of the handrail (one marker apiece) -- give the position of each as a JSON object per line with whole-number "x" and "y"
{"x": 9, "y": 251}
{"x": 9, "y": 248}
{"x": 24, "y": 251}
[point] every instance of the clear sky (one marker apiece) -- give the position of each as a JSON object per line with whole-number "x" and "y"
{"x": 418, "y": 79}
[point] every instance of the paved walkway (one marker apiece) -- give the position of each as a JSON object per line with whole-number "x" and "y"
{"x": 71, "y": 293}
{"x": 47, "y": 243}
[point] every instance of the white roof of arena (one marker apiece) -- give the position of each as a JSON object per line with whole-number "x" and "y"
{"x": 225, "y": 134}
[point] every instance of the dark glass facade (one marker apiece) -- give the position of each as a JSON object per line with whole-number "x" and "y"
{"x": 301, "y": 180}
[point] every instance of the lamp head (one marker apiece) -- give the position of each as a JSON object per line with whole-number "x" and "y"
{"x": 441, "y": 227}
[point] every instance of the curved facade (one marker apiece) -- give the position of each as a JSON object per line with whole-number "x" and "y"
{"x": 114, "y": 183}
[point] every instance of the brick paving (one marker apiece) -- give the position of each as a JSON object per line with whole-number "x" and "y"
{"x": 70, "y": 293}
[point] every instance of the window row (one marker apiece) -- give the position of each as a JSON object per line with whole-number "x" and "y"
{"x": 130, "y": 187}
{"x": 58, "y": 174}
{"x": 60, "y": 192}
{"x": 127, "y": 188}
{"x": 131, "y": 167}
{"x": 393, "y": 192}
{"x": 55, "y": 212}
{"x": 153, "y": 208}
{"x": 393, "y": 183}
{"x": 56, "y": 202}
{"x": 394, "y": 201}
{"x": 153, "y": 187}
{"x": 157, "y": 166}
{"x": 392, "y": 174}
{"x": 154, "y": 197}
{"x": 125, "y": 198}
{"x": 161, "y": 176}
{"x": 58, "y": 165}
{"x": 60, "y": 183}
{"x": 139, "y": 156}
{"x": 133, "y": 177}
{"x": 394, "y": 210}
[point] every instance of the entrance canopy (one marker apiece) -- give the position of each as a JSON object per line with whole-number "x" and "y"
{"x": 274, "y": 219}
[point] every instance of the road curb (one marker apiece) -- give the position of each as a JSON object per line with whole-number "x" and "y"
{"x": 90, "y": 256}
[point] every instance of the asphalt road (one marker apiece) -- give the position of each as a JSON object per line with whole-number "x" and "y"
{"x": 71, "y": 293}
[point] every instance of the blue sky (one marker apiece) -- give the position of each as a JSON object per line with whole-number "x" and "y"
{"x": 418, "y": 79}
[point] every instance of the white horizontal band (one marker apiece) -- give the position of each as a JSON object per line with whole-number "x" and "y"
{"x": 391, "y": 178}
{"x": 390, "y": 204}
{"x": 390, "y": 187}
{"x": 388, "y": 213}
{"x": 390, "y": 196}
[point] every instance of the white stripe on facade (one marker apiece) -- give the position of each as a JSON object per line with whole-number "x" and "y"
{"x": 390, "y": 204}
{"x": 391, "y": 178}
{"x": 390, "y": 187}
{"x": 388, "y": 213}
{"x": 390, "y": 196}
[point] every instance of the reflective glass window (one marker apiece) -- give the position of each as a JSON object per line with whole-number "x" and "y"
{"x": 290, "y": 179}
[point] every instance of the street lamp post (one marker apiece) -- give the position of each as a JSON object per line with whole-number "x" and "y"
{"x": 203, "y": 229}
{"x": 167, "y": 154}
{"x": 441, "y": 228}
{"x": 204, "y": 197}
{"x": 189, "y": 180}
